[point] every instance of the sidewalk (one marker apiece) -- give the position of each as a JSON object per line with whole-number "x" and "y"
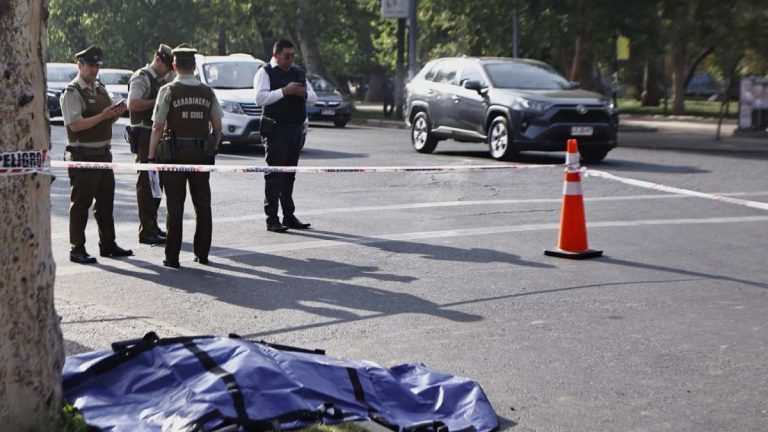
{"x": 648, "y": 131}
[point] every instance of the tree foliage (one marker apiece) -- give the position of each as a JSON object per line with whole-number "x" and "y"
{"x": 350, "y": 39}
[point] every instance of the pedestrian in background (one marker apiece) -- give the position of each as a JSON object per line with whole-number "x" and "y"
{"x": 142, "y": 91}
{"x": 88, "y": 116}
{"x": 388, "y": 96}
{"x": 284, "y": 92}
{"x": 189, "y": 115}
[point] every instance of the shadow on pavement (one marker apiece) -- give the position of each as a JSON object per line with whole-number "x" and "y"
{"x": 683, "y": 272}
{"x": 310, "y": 286}
{"x": 635, "y": 166}
{"x": 423, "y": 250}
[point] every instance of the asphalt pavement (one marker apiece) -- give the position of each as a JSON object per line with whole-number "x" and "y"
{"x": 665, "y": 332}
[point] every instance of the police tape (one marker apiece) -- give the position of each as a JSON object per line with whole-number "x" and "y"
{"x": 285, "y": 169}
{"x": 36, "y": 161}
{"x": 675, "y": 190}
{"x": 24, "y": 162}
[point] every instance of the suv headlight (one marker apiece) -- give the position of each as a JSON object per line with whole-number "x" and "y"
{"x": 232, "y": 107}
{"x": 531, "y": 105}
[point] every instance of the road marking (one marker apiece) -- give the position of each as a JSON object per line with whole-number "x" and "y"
{"x": 126, "y": 227}
{"x": 329, "y": 240}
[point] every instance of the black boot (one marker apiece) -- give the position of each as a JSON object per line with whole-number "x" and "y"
{"x": 274, "y": 225}
{"x": 114, "y": 251}
{"x": 80, "y": 256}
{"x": 293, "y": 222}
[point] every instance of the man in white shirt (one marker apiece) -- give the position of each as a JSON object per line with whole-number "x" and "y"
{"x": 284, "y": 92}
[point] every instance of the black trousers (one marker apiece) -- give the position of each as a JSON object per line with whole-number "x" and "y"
{"x": 91, "y": 187}
{"x": 175, "y": 184}
{"x": 146, "y": 203}
{"x": 283, "y": 149}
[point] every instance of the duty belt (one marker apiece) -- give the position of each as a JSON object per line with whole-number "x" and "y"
{"x": 89, "y": 151}
{"x": 190, "y": 142}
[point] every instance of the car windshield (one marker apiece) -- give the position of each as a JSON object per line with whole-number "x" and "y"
{"x": 525, "y": 76}
{"x": 109, "y": 78}
{"x": 61, "y": 73}
{"x": 321, "y": 85}
{"x": 230, "y": 75}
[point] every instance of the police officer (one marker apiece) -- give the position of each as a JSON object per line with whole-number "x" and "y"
{"x": 88, "y": 115}
{"x": 143, "y": 88}
{"x": 284, "y": 92}
{"x": 185, "y": 111}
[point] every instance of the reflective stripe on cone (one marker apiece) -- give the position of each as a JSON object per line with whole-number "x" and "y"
{"x": 572, "y": 240}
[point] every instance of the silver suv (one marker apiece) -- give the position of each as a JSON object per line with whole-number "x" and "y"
{"x": 231, "y": 78}
{"x": 509, "y": 104}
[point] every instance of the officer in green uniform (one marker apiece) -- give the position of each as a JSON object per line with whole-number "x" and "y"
{"x": 188, "y": 118}
{"x": 143, "y": 88}
{"x": 88, "y": 115}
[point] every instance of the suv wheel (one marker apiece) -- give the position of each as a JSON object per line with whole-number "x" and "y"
{"x": 499, "y": 139}
{"x": 421, "y": 137}
{"x": 593, "y": 155}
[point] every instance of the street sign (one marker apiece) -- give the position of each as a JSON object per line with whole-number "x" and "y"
{"x": 394, "y": 8}
{"x": 622, "y": 48}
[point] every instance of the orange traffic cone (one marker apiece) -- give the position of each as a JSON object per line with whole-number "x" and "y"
{"x": 573, "y": 228}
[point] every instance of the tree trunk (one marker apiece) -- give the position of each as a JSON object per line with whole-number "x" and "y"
{"x": 31, "y": 351}
{"x": 574, "y": 74}
{"x": 678, "y": 78}
{"x": 651, "y": 95}
{"x": 310, "y": 52}
{"x": 222, "y": 42}
{"x": 581, "y": 40}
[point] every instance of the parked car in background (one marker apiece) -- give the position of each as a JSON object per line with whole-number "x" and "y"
{"x": 509, "y": 104}
{"x": 116, "y": 82}
{"x": 58, "y": 77}
{"x": 231, "y": 78}
{"x": 704, "y": 85}
{"x": 331, "y": 104}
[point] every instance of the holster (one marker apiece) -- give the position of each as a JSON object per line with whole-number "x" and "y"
{"x": 211, "y": 146}
{"x": 267, "y": 127}
{"x": 167, "y": 150}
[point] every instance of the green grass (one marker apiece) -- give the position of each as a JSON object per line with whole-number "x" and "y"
{"x": 698, "y": 108}
{"x": 361, "y": 116}
{"x": 71, "y": 420}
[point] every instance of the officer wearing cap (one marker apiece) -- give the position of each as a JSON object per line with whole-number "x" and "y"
{"x": 142, "y": 91}
{"x": 186, "y": 112}
{"x": 88, "y": 116}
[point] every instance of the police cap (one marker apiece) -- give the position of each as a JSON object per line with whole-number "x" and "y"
{"x": 184, "y": 51}
{"x": 92, "y": 55}
{"x": 166, "y": 55}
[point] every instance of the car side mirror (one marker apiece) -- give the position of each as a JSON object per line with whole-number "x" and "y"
{"x": 473, "y": 85}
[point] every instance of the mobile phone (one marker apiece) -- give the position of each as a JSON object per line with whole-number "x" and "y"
{"x": 120, "y": 102}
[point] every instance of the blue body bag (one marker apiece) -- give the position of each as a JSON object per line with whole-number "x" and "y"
{"x": 229, "y": 384}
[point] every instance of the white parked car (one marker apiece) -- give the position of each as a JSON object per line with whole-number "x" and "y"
{"x": 231, "y": 78}
{"x": 116, "y": 82}
{"x": 58, "y": 77}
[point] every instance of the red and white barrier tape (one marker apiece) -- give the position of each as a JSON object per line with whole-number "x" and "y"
{"x": 24, "y": 162}
{"x": 37, "y": 161}
{"x": 283, "y": 169}
{"x": 675, "y": 190}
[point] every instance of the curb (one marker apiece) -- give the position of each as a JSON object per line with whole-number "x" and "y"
{"x": 385, "y": 123}
{"x": 722, "y": 147}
